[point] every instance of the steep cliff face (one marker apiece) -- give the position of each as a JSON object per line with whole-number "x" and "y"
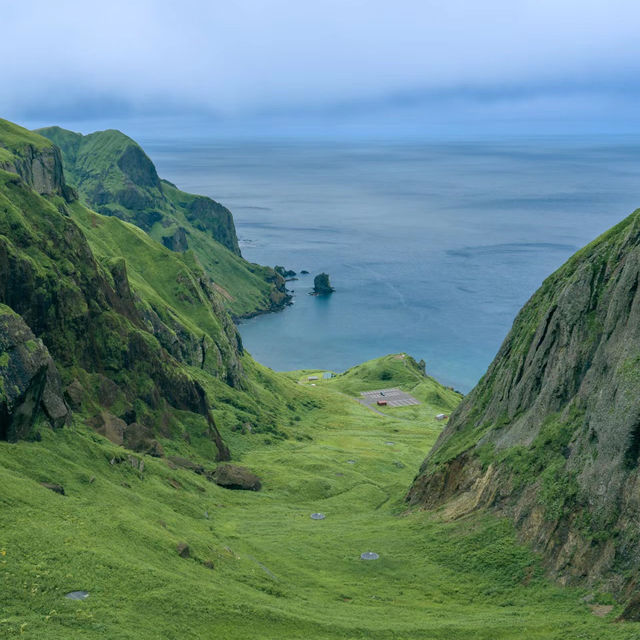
{"x": 36, "y": 161}
{"x": 30, "y": 384}
{"x": 551, "y": 434}
{"x": 115, "y": 177}
{"x": 92, "y": 321}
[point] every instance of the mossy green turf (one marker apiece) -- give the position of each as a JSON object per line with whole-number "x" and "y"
{"x": 277, "y": 573}
{"x": 90, "y": 165}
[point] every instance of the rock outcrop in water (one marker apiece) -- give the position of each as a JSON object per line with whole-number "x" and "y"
{"x": 550, "y": 436}
{"x": 322, "y": 285}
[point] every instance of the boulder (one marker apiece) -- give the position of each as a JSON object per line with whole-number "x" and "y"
{"x": 322, "y": 285}
{"x": 107, "y": 425}
{"x": 74, "y": 395}
{"x": 183, "y": 550}
{"x": 232, "y": 476}
{"x": 185, "y": 463}
{"x": 30, "y": 384}
{"x": 139, "y": 437}
{"x": 52, "y": 486}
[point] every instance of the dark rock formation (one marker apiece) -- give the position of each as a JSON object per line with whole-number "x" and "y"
{"x": 177, "y": 241}
{"x": 183, "y": 550}
{"x": 29, "y": 380}
{"x": 140, "y": 438}
{"x": 285, "y": 273}
{"x": 109, "y": 426}
{"x": 232, "y": 476}
{"x": 53, "y": 486}
{"x": 321, "y": 285}
{"x": 550, "y": 436}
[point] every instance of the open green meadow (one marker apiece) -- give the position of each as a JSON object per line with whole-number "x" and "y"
{"x": 259, "y": 566}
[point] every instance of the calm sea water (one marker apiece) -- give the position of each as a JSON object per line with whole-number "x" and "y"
{"x": 432, "y": 247}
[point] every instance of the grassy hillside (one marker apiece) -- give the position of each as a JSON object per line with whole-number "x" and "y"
{"x": 124, "y": 382}
{"x": 276, "y": 573}
{"x": 115, "y": 177}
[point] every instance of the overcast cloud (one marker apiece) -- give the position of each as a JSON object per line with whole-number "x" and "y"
{"x": 561, "y": 61}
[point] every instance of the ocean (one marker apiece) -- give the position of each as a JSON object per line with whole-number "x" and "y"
{"x": 432, "y": 247}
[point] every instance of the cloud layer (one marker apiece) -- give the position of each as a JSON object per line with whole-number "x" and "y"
{"x": 328, "y": 58}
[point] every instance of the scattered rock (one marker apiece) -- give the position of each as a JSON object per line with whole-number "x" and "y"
{"x": 136, "y": 463}
{"x": 285, "y": 273}
{"x": 185, "y": 463}
{"x": 174, "y": 483}
{"x": 231, "y": 476}
{"x": 74, "y": 395}
{"x": 209, "y": 564}
{"x": 57, "y": 488}
{"x": 183, "y": 550}
{"x": 138, "y": 437}
{"x": 321, "y": 285}
{"x": 601, "y": 610}
{"x": 107, "y": 425}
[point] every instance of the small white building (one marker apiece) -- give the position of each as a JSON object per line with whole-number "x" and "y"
{"x": 442, "y": 416}
{"x": 310, "y": 378}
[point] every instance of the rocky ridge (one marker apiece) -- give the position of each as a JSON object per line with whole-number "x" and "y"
{"x": 550, "y": 436}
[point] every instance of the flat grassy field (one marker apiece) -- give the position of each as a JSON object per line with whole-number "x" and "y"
{"x": 276, "y": 572}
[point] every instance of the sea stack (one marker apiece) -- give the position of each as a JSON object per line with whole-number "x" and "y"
{"x": 321, "y": 285}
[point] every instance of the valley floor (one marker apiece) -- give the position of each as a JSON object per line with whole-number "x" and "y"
{"x": 277, "y": 573}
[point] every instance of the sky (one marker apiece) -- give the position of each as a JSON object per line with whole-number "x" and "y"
{"x": 302, "y": 67}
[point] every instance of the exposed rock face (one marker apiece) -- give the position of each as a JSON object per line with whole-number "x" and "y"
{"x": 40, "y": 169}
{"x": 109, "y": 168}
{"x": 551, "y": 434}
{"x": 109, "y": 426}
{"x": 232, "y": 476}
{"x": 321, "y": 285}
{"x": 29, "y": 381}
{"x": 178, "y": 241}
{"x": 87, "y": 316}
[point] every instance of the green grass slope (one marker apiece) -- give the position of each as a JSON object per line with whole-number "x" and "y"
{"x": 276, "y": 573}
{"x": 115, "y": 177}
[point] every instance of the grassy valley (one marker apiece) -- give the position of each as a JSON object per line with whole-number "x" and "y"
{"x": 276, "y": 572}
{"x": 125, "y": 393}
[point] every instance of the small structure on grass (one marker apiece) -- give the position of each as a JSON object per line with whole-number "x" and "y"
{"x": 318, "y": 516}
{"x": 369, "y": 555}
{"x": 77, "y": 595}
{"x": 442, "y": 416}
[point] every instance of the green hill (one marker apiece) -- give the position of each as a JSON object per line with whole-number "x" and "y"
{"x": 115, "y": 177}
{"x": 124, "y": 392}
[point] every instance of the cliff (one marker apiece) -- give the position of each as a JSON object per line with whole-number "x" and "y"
{"x": 86, "y": 303}
{"x": 550, "y": 436}
{"x": 115, "y": 177}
